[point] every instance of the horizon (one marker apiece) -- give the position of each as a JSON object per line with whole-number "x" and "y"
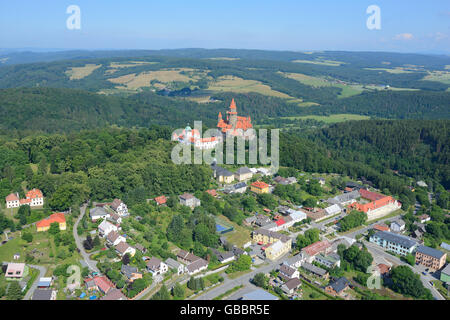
{"x": 264, "y": 25}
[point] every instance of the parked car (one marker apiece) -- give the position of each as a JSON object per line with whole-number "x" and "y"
{"x": 424, "y": 273}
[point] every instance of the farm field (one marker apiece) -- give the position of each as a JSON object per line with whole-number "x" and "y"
{"x": 77, "y": 73}
{"x": 332, "y": 118}
{"x": 440, "y": 76}
{"x": 331, "y": 63}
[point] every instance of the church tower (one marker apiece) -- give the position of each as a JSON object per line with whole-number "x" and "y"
{"x": 232, "y": 114}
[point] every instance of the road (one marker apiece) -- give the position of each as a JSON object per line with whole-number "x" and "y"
{"x": 42, "y": 272}
{"x": 90, "y": 263}
{"x": 376, "y": 250}
{"x": 229, "y": 284}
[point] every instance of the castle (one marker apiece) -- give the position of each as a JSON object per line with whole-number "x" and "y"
{"x": 235, "y": 122}
{"x": 225, "y": 127}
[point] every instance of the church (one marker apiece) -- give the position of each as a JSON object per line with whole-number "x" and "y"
{"x": 235, "y": 122}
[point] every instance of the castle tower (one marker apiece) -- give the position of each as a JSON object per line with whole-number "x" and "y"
{"x": 232, "y": 114}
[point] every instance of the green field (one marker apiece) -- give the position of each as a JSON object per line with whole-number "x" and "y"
{"x": 332, "y": 118}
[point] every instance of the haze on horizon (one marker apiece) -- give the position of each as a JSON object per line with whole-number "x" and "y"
{"x": 406, "y": 26}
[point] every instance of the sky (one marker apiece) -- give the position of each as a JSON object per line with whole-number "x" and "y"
{"x": 298, "y": 25}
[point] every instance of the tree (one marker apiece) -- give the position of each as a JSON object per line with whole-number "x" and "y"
{"x": 410, "y": 258}
{"x": 126, "y": 258}
{"x": 14, "y": 291}
{"x": 261, "y": 280}
{"x": 54, "y": 228}
{"x": 244, "y": 262}
{"x": 178, "y": 291}
{"x": 406, "y": 282}
{"x": 88, "y": 243}
{"x": 28, "y": 237}
{"x": 96, "y": 241}
{"x": 162, "y": 294}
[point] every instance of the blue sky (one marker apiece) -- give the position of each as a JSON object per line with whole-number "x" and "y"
{"x": 406, "y": 26}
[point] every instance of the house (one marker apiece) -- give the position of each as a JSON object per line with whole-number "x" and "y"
{"x": 212, "y": 192}
{"x": 114, "y": 238}
{"x": 197, "y": 266}
{"x": 379, "y": 205}
{"x": 396, "y": 243}
{"x": 445, "y": 274}
{"x": 238, "y": 251}
{"x": 119, "y": 207}
{"x": 262, "y": 220}
{"x": 161, "y": 200}
{"x": 156, "y": 266}
{"x": 265, "y": 236}
{"x": 105, "y": 228}
{"x": 115, "y": 218}
{"x": 291, "y": 285}
{"x": 422, "y": 184}
{"x": 286, "y": 272}
{"x": 130, "y": 272}
{"x": 381, "y": 227}
{"x": 281, "y": 180}
{"x": 353, "y": 185}
{"x": 314, "y": 249}
{"x": 259, "y": 294}
{"x": 33, "y": 198}
{"x": 424, "y": 218}
{"x": 123, "y": 248}
{"x": 15, "y": 270}
{"x": 278, "y": 249}
{"x": 243, "y": 174}
{"x": 317, "y": 271}
{"x": 187, "y": 199}
{"x": 222, "y": 175}
{"x": 44, "y": 294}
{"x": 103, "y": 284}
{"x": 259, "y": 187}
{"x": 98, "y": 213}
{"x": 320, "y": 180}
{"x": 430, "y": 257}
{"x": 338, "y": 286}
{"x": 224, "y": 257}
{"x": 114, "y": 294}
{"x": 141, "y": 248}
{"x": 44, "y": 224}
{"x": 398, "y": 225}
{"x": 239, "y": 187}
{"x": 344, "y": 199}
{"x": 45, "y": 282}
{"x": 330, "y": 261}
{"x": 191, "y": 136}
{"x": 296, "y": 261}
{"x": 333, "y": 209}
{"x": 175, "y": 265}
{"x": 186, "y": 257}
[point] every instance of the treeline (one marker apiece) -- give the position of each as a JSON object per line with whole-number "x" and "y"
{"x": 391, "y": 105}
{"x": 417, "y": 148}
{"x": 98, "y": 165}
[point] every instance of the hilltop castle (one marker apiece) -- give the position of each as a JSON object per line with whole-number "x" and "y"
{"x": 235, "y": 122}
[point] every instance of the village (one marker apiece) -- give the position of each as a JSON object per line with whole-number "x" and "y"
{"x": 298, "y": 236}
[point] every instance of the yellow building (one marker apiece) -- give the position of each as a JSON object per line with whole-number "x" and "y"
{"x": 277, "y": 249}
{"x": 223, "y": 175}
{"x": 259, "y": 187}
{"x": 44, "y": 225}
{"x": 243, "y": 174}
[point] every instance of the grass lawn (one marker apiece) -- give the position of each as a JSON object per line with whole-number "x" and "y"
{"x": 239, "y": 236}
{"x": 237, "y": 274}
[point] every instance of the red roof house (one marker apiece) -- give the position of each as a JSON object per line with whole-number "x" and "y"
{"x": 160, "y": 200}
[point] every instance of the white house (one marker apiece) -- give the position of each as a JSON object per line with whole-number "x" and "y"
{"x": 114, "y": 238}
{"x": 288, "y": 272}
{"x": 197, "y": 266}
{"x": 33, "y": 198}
{"x": 398, "y": 226}
{"x": 119, "y": 207}
{"x": 98, "y": 213}
{"x": 332, "y": 210}
{"x": 105, "y": 228}
{"x": 156, "y": 266}
{"x": 123, "y": 248}
{"x": 177, "y": 266}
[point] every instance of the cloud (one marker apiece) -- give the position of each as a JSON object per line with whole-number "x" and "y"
{"x": 404, "y": 36}
{"x": 440, "y": 36}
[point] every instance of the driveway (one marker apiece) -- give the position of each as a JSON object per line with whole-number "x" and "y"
{"x": 42, "y": 272}
{"x": 90, "y": 263}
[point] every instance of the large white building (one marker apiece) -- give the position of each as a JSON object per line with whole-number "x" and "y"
{"x": 33, "y": 198}
{"x": 192, "y": 136}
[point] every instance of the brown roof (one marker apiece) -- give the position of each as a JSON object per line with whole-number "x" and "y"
{"x": 12, "y": 197}
{"x": 154, "y": 263}
{"x": 122, "y": 247}
{"x": 316, "y": 247}
{"x": 114, "y": 294}
{"x": 293, "y": 283}
{"x": 197, "y": 264}
{"x": 112, "y": 236}
{"x": 184, "y": 255}
{"x": 186, "y": 196}
{"x": 116, "y": 203}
